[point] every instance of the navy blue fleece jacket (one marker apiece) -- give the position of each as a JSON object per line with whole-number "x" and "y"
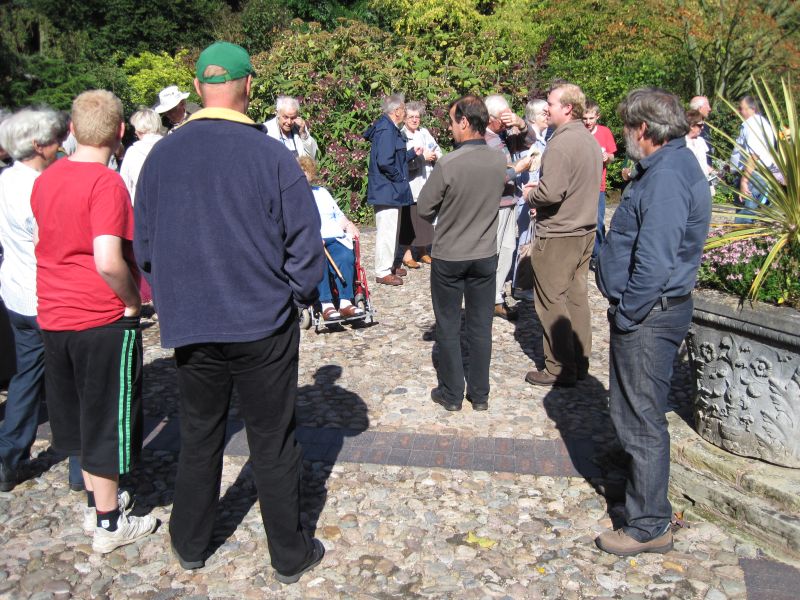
{"x": 226, "y": 231}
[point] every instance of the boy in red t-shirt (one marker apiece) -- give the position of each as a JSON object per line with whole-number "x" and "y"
{"x": 89, "y": 314}
{"x": 608, "y": 147}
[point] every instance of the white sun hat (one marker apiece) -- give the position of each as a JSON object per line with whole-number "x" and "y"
{"x": 169, "y": 98}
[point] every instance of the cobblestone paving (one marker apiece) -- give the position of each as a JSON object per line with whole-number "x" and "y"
{"x": 409, "y": 500}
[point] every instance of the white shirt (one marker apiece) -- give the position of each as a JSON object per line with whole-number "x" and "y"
{"x": 421, "y": 138}
{"x": 18, "y": 271}
{"x": 134, "y": 159}
{"x": 331, "y": 217}
{"x": 699, "y": 148}
{"x": 755, "y": 138}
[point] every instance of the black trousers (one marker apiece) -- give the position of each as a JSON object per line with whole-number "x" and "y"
{"x": 474, "y": 282}
{"x": 264, "y": 373}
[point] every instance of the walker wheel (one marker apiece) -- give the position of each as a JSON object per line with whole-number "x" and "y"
{"x": 305, "y": 318}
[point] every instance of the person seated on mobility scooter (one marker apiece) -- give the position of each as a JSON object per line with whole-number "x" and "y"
{"x": 337, "y": 233}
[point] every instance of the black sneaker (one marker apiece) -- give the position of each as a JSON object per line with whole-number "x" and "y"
{"x": 316, "y": 558}
{"x": 8, "y": 477}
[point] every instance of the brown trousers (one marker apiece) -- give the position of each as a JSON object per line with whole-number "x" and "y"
{"x": 561, "y": 296}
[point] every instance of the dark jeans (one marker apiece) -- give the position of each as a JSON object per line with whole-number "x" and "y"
{"x": 758, "y": 196}
{"x": 601, "y": 225}
{"x": 25, "y": 391}
{"x": 264, "y": 373}
{"x": 473, "y": 281}
{"x": 639, "y": 379}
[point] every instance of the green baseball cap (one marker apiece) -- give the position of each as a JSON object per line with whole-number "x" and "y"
{"x": 231, "y": 57}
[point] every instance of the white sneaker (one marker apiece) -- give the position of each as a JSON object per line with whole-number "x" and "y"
{"x": 129, "y": 529}
{"x": 125, "y": 501}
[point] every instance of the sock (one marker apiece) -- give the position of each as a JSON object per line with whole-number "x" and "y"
{"x": 90, "y": 499}
{"x": 344, "y": 303}
{"x": 108, "y": 520}
{"x": 326, "y": 305}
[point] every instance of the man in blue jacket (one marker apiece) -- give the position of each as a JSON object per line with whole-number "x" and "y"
{"x": 227, "y": 232}
{"x": 647, "y": 269}
{"x": 387, "y": 186}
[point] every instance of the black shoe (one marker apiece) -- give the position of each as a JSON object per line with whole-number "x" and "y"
{"x": 78, "y": 486}
{"x": 188, "y": 564}
{"x": 8, "y": 477}
{"x": 436, "y": 396}
{"x": 316, "y": 557}
{"x": 593, "y": 264}
{"x": 478, "y": 405}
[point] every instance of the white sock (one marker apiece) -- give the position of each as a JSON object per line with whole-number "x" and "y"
{"x": 344, "y": 303}
{"x": 326, "y": 305}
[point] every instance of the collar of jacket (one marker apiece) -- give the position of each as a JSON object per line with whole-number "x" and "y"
{"x": 221, "y": 114}
{"x": 649, "y": 161}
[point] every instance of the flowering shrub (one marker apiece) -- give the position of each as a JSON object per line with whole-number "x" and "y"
{"x": 732, "y": 268}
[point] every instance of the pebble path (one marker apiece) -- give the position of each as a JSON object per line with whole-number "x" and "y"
{"x": 409, "y": 500}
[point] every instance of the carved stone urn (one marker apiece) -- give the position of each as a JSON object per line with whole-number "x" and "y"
{"x": 746, "y": 366}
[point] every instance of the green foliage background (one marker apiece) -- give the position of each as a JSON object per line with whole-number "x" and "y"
{"x": 340, "y": 56}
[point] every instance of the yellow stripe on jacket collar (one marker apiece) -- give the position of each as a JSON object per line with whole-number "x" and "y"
{"x": 225, "y": 114}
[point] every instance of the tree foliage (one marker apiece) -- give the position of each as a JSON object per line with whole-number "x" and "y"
{"x": 148, "y": 73}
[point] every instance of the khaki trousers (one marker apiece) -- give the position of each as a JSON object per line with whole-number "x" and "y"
{"x": 561, "y": 297}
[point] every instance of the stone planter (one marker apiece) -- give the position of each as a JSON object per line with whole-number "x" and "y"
{"x": 746, "y": 366}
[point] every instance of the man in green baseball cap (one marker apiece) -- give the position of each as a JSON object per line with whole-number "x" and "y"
{"x": 248, "y": 253}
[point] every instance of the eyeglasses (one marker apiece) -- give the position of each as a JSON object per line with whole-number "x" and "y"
{"x": 698, "y": 124}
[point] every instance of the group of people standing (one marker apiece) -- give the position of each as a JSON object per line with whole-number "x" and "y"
{"x": 251, "y": 260}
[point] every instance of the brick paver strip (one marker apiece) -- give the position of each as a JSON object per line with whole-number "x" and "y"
{"x": 770, "y": 580}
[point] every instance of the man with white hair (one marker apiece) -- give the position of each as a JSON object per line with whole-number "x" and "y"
{"x": 702, "y": 105}
{"x": 506, "y": 133}
{"x": 289, "y": 128}
{"x": 387, "y": 184}
{"x": 172, "y": 104}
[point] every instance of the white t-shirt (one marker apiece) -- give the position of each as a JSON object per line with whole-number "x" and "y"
{"x": 756, "y": 138}
{"x": 331, "y": 217}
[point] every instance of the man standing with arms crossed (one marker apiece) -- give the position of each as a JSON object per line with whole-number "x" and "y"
{"x": 226, "y": 280}
{"x": 566, "y": 217}
{"x": 464, "y": 191}
{"x": 647, "y": 269}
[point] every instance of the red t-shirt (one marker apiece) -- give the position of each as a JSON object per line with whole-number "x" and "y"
{"x": 73, "y": 203}
{"x": 605, "y": 138}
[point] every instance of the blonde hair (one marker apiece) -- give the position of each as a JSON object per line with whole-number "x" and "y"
{"x": 572, "y": 94}
{"x": 309, "y": 166}
{"x": 96, "y": 116}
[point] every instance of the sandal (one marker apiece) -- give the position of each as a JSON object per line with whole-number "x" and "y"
{"x": 331, "y": 314}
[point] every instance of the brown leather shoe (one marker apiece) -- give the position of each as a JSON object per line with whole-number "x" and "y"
{"x": 620, "y": 543}
{"x": 399, "y": 271}
{"x": 411, "y": 264}
{"x": 389, "y": 280}
{"x": 331, "y": 314}
{"x": 504, "y": 311}
{"x": 547, "y": 379}
{"x": 425, "y": 259}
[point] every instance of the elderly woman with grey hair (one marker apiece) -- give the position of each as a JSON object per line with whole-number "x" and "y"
{"x": 148, "y": 129}
{"x": 31, "y": 137}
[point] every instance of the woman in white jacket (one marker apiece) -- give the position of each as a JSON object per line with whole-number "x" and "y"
{"x": 147, "y": 125}
{"x": 416, "y": 232}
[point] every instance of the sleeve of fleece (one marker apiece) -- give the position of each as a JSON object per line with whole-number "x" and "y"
{"x": 304, "y": 259}
{"x": 384, "y": 155}
{"x": 663, "y": 225}
{"x": 431, "y": 195}
{"x": 141, "y": 235}
{"x": 554, "y": 180}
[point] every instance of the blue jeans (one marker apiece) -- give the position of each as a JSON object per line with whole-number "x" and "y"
{"x": 759, "y": 196}
{"x": 639, "y": 379}
{"x": 601, "y": 225}
{"x": 474, "y": 282}
{"x": 24, "y": 391}
{"x": 345, "y": 260}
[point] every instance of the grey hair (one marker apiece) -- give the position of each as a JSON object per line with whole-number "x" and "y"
{"x": 42, "y": 125}
{"x": 662, "y": 111}
{"x": 534, "y": 108}
{"x": 495, "y": 104}
{"x": 286, "y": 103}
{"x": 146, "y": 120}
{"x": 417, "y": 107}
{"x": 751, "y": 102}
{"x": 697, "y": 102}
{"x": 392, "y": 103}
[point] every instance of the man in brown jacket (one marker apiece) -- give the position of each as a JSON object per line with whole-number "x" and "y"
{"x": 566, "y": 203}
